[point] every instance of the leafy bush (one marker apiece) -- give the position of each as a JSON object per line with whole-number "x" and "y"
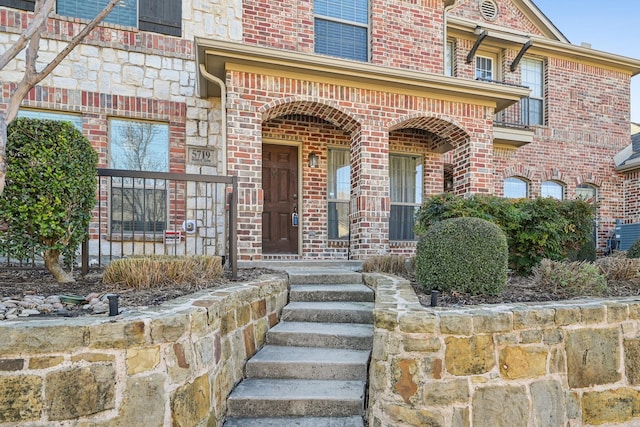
{"x": 634, "y": 250}
{"x": 619, "y": 268}
{"x": 569, "y": 279}
{"x": 49, "y": 194}
{"x": 393, "y": 264}
{"x": 535, "y": 229}
{"x": 463, "y": 254}
{"x": 153, "y": 271}
{"x": 587, "y": 252}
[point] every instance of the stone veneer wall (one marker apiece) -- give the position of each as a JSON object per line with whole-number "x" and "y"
{"x": 172, "y": 365}
{"x": 570, "y": 363}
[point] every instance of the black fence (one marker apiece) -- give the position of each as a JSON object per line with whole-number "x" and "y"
{"x": 156, "y": 213}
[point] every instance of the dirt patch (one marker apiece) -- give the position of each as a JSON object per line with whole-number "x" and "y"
{"x": 16, "y": 284}
{"x": 519, "y": 289}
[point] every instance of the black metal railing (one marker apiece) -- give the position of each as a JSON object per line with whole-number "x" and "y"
{"x": 157, "y": 213}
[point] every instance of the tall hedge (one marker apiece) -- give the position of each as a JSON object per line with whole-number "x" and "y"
{"x": 535, "y": 228}
{"x": 49, "y": 193}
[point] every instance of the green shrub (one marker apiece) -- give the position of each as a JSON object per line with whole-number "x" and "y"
{"x": 536, "y": 229}
{"x": 569, "y": 279}
{"x": 463, "y": 254}
{"x": 634, "y": 250}
{"x": 587, "y": 252}
{"x": 49, "y": 193}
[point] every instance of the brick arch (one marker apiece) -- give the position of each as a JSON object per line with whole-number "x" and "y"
{"x": 445, "y": 131}
{"x": 325, "y": 110}
{"x": 554, "y": 175}
{"x": 590, "y": 179}
{"x": 518, "y": 171}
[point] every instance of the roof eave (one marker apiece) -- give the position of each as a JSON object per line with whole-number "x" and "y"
{"x": 215, "y": 54}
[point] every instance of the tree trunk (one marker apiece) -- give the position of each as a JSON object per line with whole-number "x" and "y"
{"x": 52, "y": 262}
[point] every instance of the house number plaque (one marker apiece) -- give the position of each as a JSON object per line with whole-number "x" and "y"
{"x": 202, "y": 156}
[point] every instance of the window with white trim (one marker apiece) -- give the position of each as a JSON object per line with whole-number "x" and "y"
{"x": 448, "y": 58}
{"x": 338, "y": 193}
{"x": 342, "y": 28}
{"x": 532, "y": 76}
{"x": 484, "y": 68}
{"x": 405, "y": 178}
{"x": 138, "y": 205}
{"x": 515, "y": 188}
{"x": 552, "y": 189}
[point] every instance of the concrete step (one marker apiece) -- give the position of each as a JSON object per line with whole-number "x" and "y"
{"x": 329, "y": 335}
{"x": 348, "y": 292}
{"x": 322, "y": 276}
{"x": 296, "y": 422}
{"x": 254, "y": 398}
{"x": 274, "y": 361}
{"x": 333, "y": 312}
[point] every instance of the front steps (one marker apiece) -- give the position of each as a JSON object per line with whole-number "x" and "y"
{"x": 313, "y": 369}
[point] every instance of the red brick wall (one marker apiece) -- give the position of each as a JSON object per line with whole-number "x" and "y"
{"x": 632, "y": 197}
{"x": 508, "y": 15}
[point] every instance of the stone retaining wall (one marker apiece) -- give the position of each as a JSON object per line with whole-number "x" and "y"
{"x": 574, "y": 363}
{"x": 172, "y": 365}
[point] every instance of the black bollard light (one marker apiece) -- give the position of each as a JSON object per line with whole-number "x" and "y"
{"x": 434, "y": 298}
{"x": 113, "y": 304}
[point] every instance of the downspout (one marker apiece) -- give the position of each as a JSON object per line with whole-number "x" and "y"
{"x": 223, "y": 113}
{"x": 449, "y": 4}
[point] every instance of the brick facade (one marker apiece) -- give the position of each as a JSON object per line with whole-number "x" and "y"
{"x": 121, "y": 72}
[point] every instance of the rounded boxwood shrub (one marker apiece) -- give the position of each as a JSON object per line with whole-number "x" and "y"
{"x": 463, "y": 254}
{"x": 49, "y": 194}
{"x": 634, "y": 250}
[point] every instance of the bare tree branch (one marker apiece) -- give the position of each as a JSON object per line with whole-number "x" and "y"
{"x": 40, "y": 16}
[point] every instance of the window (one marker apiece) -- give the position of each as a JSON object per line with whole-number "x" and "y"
{"x": 484, "y": 68}
{"x": 533, "y": 106}
{"x": 405, "y": 173}
{"x": 159, "y": 16}
{"x": 552, "y": 189}
{"x": 338, "y": 193}
{"x": 515, "y": 188}
{"x": 125, "y": 13}
{"x": 75, "y": 120}
{"x": 448, "y": 58}
{"x": 587, "y": 192}
{"x": 138, "y": 205}
{"x": 341, "y": 28}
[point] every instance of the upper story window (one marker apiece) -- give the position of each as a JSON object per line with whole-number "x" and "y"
{"x": 125, "y": 13}
{"x": 515, "y": 188}
{"x": 342, "y": 28}
{"x": 448, "y": 58}
{"x": 159, "y": 16}
{"x": 532, "y": 76}
{"x": 552, "y": 189}
{"x": 484, "y": 68}
{"x": 338, "y": 193}
{"x": 405, "y": 179}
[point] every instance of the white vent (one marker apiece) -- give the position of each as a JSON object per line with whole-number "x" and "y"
{"x": 489, "y": 10}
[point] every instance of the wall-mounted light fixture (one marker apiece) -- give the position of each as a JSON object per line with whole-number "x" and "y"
{"x": 313, "y": 160}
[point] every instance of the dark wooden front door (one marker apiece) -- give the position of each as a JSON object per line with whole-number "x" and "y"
{"x": 280, "y": 187}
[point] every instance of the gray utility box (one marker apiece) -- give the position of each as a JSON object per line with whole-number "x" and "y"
{"x": 626, "y": 234}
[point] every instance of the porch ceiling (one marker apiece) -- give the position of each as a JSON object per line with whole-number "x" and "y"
{"x": 217, "y": 56}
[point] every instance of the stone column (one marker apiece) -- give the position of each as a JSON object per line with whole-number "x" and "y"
{"x": 370, "y": 204}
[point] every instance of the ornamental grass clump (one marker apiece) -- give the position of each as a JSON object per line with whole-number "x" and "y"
{"x": 569, "y": 279}
{"x": 147, "y": 272}
{"x": 463, "y": 254}
{"x": 392, "y": 264}
{"x": 619, "y": 268}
